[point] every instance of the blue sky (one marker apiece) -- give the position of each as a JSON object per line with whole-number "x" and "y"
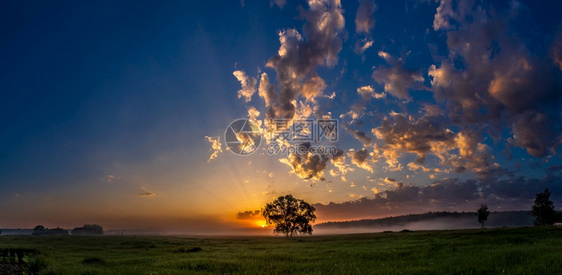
{"x": 106, "y": 108}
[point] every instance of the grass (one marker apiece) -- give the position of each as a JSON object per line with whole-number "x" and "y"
{"x": 508, "y": 250}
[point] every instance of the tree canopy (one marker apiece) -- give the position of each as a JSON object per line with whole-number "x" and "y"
{"x": 290, "y": 215}
{"x": 39, "y": 228}
{"x": 543, "y": 209}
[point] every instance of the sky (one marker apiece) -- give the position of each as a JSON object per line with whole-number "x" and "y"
{"x": 118, "y": 112}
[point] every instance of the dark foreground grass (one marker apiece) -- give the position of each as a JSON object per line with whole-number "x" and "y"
{"x": 512, "y": 251}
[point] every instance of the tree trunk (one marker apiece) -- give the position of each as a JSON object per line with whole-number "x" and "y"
{"x": 482, "y": 225}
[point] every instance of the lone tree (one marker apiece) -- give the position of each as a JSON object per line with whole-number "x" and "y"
{"x": 289, "y": 215}
{"x": 543, "y": 210}
{"x": 482, "y": 214}
{"x": 38, "y": 230}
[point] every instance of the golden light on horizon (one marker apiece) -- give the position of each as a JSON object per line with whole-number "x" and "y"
{"x": 261, "y": 223}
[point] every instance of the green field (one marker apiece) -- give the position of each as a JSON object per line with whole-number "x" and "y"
{"x": 514, "y": 250}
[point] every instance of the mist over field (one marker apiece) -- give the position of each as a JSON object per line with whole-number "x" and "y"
{"x": 427, "y": 221}
{"x": 412, "y": 222}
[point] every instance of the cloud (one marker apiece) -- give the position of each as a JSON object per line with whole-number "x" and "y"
{"x": 300, "y": 55}
{"x": 499, "y": 79}
{"x": 307, "y": 165}
{"x": 405, "y": 134}
{"x": 491, "y": 81}
{"x": 297, "y": 87}
{"x": 279, "y": 3}
{"x": 556, "y": 49}
{"x": 460, "y": 151}
{"x": 473, "y": 155}
{"x": 554, "y": 168}
{"x": 356, "y": 112}
{"x": 443, "y": 16}
{"x": 537, "y": 132}
{"x": 361, "y": 159}
{"x": 364, "y": 20}
{"x": 313, "y": 87}
{"x": 513, "y": 193}
{"x": 216, "y": 147}
{"x": 396, "y": 79}
{"x": 431, "y": 110}
{"x": 267, "y": 91}
{"x": 338, "y": 160}
{"x": 248, "y": 85}
{"x": 363, "y": 45}
{"x": 246, "y": 142}
{"x": 250, "y": 214}
{"x": 253, "y": 115}
{"x": 414, "y": 166}
{"x": 146, "y": 193}
{"x": 367, "y": 92}
{"x": 359, "y": 135}
{"x": 112, "y": 178}
{"x": 467, "y": 144}
{"x": 362, "y": 136}
{"x": 389, "y": 180}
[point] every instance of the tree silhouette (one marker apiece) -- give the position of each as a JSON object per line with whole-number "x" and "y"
{"x": 290, "y": 215}
{"x": 39, "y": 228}
{"x": 543, "y": 210}
{"x": 482, "y": 214}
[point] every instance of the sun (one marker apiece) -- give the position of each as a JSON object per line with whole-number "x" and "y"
{"x": 261, "y": 224}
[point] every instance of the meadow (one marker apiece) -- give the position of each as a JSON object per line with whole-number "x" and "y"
{"x": 505, "y": 250}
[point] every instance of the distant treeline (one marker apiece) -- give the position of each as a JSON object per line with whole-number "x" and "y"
{"x": 40, "y": 231}
{"x": 87, "y": 229}
{"x": 458, "y": 219}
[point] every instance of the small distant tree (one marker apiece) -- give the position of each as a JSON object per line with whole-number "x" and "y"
{"x": 482, "y": 214}
{"x": 543, "y": 210}
{"x": 290, "y": 215}
{"x": 38, "y": 230}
